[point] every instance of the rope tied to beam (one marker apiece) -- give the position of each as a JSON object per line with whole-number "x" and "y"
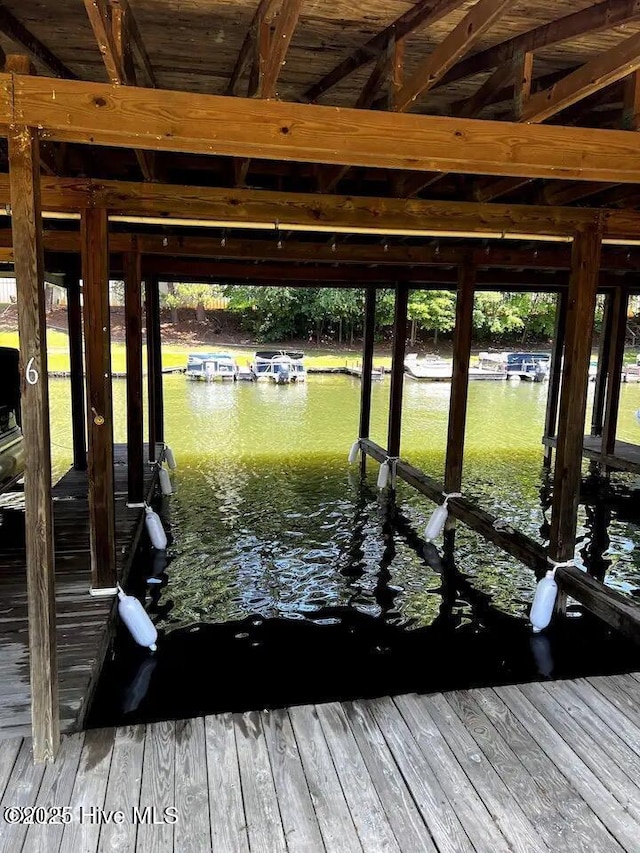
{"x": 563, "y": 564}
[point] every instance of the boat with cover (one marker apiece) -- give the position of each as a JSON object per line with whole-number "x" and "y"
{"x": 279, "y": 366}
{"x": 211, "y": 366}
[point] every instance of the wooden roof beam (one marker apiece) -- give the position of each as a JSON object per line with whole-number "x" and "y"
{"x": 419, "y": 16}
{"x": 599, "y": 72}
{"x": 285, "y": 24}
{"x": 459, "y": 42}
{"x": 263, "y": 14}
{"x": 136, "y": 40}
{"x": 11, "y": 27}
{"x": 601, "y": 16}
{"x": 100, "y": 114}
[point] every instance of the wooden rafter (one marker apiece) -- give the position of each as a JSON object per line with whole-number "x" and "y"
{"x": 11, "y": 27}
{"x": 462, "y": 38}
{"x": 113, "y": 24}
{"x": 631, "y": 108}
{"x": 417, "y": 17}
{"x": 601, "y": 16}
{"x": 285, "y": 24}
{"x": 99, "y": 114}
{"x": 136, "y": 40}
{"x": 566, "y": 192}
{"x": 264, "y": 13}
{"x": 594, "y": 75}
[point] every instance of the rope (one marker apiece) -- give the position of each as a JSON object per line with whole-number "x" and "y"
{"x": 561, "y": 565}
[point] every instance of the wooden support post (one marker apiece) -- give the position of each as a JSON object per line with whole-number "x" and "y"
{"x": 616, "y": 360}
{"x": 157, "y": 361}
{"x": 397, "y": 368}
{"x": 150, "y": 286}
{"x": 460, "y": 377}
{"x": 26, "y": 224}
{"x": 583, "y": 282}
{"x": 600, "y": 393}
{"x": 367, "y": 367}
{"x": 133, "y": 331}
{"x": 95, "y": 276}
{"x": 76, "y": 365}
{"x": 555, "y": 373}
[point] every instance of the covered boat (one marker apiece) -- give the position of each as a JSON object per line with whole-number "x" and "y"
{"x": 211, "y": 366}
{"x": 279, "y": 366}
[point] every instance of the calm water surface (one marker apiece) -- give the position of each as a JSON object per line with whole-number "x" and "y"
{"x": 273, "y": 535}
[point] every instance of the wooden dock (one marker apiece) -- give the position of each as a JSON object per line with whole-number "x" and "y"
{"x": 625, "y": 457}
{"x": 83, "y": 621}
{"x": 535, "y": 767}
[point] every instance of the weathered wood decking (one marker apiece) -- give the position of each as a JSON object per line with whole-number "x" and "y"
{"x": 82, "y": 620}
{"x": 553, "y": 766}
{"x": 626, "y": 456}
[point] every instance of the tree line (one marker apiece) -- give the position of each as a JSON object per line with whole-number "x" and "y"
{"x": 271, "y": 314}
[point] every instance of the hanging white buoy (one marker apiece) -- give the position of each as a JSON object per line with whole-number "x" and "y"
{"x": 137, "y": 620}
{"x": 438, "y": 519}
{"x": 155, "y": 529}
{"x": 165, "y": 482}
{"x": 543, "y": 602}
{"x": 169, "y": 456}
{"x": 383, "y": 475}
{"x": 353, "y": 453}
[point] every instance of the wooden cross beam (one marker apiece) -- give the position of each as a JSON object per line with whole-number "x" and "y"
{"x": 100, "y": 114}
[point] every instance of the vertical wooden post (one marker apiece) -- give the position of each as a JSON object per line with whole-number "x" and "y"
{"x": 397, "y": 368}
{"x": 600, "y": 392}
{"x": 133, "y": 331}
{"x": 555, "y": 373}
{"x": 154, "y": 365}
{"x": 367, "y": 367}
{"x": 614, "y": 370}
{"x": 78, "y": 413}
{"x": 583, "y": 283}
{"x": 97, "y": 341}
{"x": 26, "y": 224}
{"x": 460, "y": 377}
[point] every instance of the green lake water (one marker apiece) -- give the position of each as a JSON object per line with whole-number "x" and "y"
{"x": 269, "y": 520}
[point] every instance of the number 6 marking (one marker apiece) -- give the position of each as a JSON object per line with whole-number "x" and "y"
{"x": 31, "y": 373}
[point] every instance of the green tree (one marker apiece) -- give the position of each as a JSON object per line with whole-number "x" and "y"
{"x": 434, "y": 310}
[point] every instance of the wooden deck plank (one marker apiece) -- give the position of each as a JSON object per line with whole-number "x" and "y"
{"x": 89, "y": 791}
{"x": 619, "y": 698}
{"x": 536, "y": 804}
{"x": 589, "y": 833}
{"x": 228, "y": 821}
{"x": 616, "y": 819}
{"x": 437, "y": 811}
{"x": 9, "y": 749}
{"x": 263, "y": 820}
{"x": 158, "y": 787}
{"x": 409, "y": 828}
{"x": 367, "y": 811}
{"x": 123, "y": 789}
{"x": 336, "y": 824}
{"x": 589, "y": 750}
{"x": 193, "y": 828}
{"x": 607, "y": 712}
{"x": 22, "y": 790}
{"x": 474, "y": 816}
{"x": 299, "y": 821}
{"x": 515, "y": 826}
{"x": 55, "y": 791}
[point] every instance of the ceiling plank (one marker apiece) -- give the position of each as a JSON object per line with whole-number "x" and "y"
{"x": 99, "y": 114}
{"x": 599, "y": 72}
{"x": 11, "y": 27}
{"x": 285, "y": 24}
{"x": 487, "y": 93}
{"x": 600, "y": 16}
{"x": 566, "y": 192}
{"x": 459, "y": 41}
{"x": 420, "y": 15}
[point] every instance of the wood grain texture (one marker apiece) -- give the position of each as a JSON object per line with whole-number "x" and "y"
{"x": 74, "y": 111}
{"x": 95, "y": 275}
{"x": 193, "y": 827}
{"x": 133, "y": 339}
{"x": 262, "y": 812}
{"x": 228, "y": 821}
{"x": 158, "y": 787}
{"x": 26, "y": 226}
{"x": 299, "y": 821}
{"x": 334, "y": 818}
{"x": 437, "y": 811}
{"x": 123, "y": 788}
{"x": 24, "y": 791}
{"x": 555, "y": 373}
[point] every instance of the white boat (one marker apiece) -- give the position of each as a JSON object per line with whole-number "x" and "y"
{"x": 531, "y": 366}
{"x": 211, "y": 366}
{"x": 428, "y": 368}
{"x": 279, "y": 366}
